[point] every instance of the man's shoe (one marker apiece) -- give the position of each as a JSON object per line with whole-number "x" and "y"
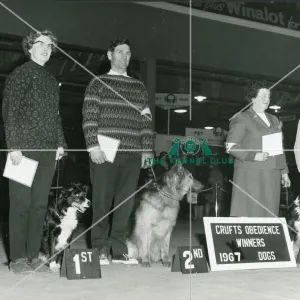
{"x": 20, "y": 266}
{"x": 39, "y": 266}
{"x": 104, "y": 261}
{"x": 124, "y": 259}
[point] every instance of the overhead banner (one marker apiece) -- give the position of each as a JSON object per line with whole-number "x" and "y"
{"x": 213, "y": 137}
{"x": 278, "y": 14}
{"x": 169, "y": 100}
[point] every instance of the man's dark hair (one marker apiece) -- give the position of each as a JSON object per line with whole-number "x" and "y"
{"x": 118, "y": 42}
{"x": 28, "y": 40}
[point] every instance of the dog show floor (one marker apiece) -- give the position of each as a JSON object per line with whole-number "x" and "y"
{"x": 155, "y": 283}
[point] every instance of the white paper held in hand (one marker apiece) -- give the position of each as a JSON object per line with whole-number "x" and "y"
{"x": 22, "y": 173}
{"x": 109, "y": 146}
{"x": 272, "y": 143}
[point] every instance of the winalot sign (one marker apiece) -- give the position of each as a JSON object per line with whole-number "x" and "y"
{"x": 279, "y": 15}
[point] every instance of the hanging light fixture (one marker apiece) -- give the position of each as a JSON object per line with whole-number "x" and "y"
{"x": 275, "y": 107}
{"x": 180, "y": 111}
{"x": 200, "y": 98}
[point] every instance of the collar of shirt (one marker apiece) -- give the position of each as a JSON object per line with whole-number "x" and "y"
{"x": 111, "y": 72}
{"x": 34, "y": 65}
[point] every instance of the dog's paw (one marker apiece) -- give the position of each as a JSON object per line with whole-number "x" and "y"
{"x": 166, "y": 263}
{"x": 54, "y": 267}
{"x": 146, "y": 264}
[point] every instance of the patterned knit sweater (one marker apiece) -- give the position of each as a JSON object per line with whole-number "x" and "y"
{"x": 106, "y": 113}
{"x": 30, "y": 109}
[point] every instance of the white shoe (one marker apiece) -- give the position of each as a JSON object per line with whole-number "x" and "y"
{"x": 104, "y": 260}
{"x": 124, "y": 259}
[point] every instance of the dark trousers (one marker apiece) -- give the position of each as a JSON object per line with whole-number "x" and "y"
{"x": 117, "y": 180}
{"x": 28, "y": 207}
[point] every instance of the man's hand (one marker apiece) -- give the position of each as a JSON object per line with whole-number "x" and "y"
{"x": 59, "y": 153}
{"x": 97, "y": 156}
{"x": 261, "y": 156}
{"x": 16, "y": 157}
{"x": 285, "y": 180}
{"x": 147, "y": 160}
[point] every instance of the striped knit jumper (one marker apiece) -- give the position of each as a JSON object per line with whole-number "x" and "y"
{"x": 104, "y": 112}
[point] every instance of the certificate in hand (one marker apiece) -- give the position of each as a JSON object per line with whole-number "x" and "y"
{"x": 272, "y": 143}
{"x": 109, "y": 146}
{"x": 22, "y": 173}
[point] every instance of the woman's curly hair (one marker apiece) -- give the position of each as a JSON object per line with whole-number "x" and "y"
{"x": 251, "y": 90}
{"x": 29, "y": 40}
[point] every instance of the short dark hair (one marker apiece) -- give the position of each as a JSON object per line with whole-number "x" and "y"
{"x": 118, "y": 42}
{"x": 253, "y": 87}
{"x": 163, "y": 153}
{"x": 28, "y": 41}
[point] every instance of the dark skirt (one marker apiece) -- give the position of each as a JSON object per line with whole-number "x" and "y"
{"x": 263, "y": 185}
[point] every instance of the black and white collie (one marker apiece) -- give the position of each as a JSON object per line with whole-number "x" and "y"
{"x": 293, "y": 220}
{"x": 60, "y": 222}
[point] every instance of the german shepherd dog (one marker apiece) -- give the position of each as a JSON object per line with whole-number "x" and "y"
{"x": 156, "y": 215}
{"x": 60, "y": 222}
{"x": 293, "y": 220}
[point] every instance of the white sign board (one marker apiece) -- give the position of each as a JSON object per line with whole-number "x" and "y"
{"x": 166, "y": 100}
{"x": 212, "y": 137}
{"x": 248, "y": 243}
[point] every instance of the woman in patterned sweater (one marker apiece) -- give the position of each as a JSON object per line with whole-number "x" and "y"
{"x": 31, "y": 118}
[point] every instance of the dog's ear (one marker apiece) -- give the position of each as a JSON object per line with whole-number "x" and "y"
{"x": 179, "y": 166}
{"x": 73, "y": 185}
{"x": 62, "y": 192}
{"x": 177, "y": 163}
{"x": 85, "y": 188}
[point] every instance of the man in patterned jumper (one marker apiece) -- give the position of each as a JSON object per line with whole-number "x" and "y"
{"x": 31, "y": 118}
{"x": 104, "y": 112}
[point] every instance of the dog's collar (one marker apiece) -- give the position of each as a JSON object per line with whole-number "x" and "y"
{"x": 76, "y": 206}
{"x": 165, "y": 194}
{"x": 58, "y": 215}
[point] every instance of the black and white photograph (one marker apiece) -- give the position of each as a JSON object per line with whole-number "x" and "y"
{"x": 149, "y": 149}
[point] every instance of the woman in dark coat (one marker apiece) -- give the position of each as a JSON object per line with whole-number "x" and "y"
{"x": 255, "y": 172}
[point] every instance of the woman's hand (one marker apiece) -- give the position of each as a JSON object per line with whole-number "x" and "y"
{"x": 261, "y": 156}
{"x": 16, "y": 157}
{"x": 59, "y": 153}
{"x": 285, "y": 180}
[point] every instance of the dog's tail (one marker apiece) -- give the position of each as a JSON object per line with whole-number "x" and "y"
{"x": 297, "y": 201}
{"x": 293, "y": 218}
{"x": 43, "y": 257}
{"x": 133, "y": 251}
{"x": 293, "y": 210}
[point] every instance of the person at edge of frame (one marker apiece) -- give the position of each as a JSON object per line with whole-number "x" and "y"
{"x": 106, "y": 113}
{"x": 32, "y": 124}
{"x": 256, "y": 172}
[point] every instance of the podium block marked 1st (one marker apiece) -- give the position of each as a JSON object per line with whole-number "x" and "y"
{"x": 81, "y": 264}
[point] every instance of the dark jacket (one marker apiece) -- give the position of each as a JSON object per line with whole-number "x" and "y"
{"x": 247, "y": 130}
